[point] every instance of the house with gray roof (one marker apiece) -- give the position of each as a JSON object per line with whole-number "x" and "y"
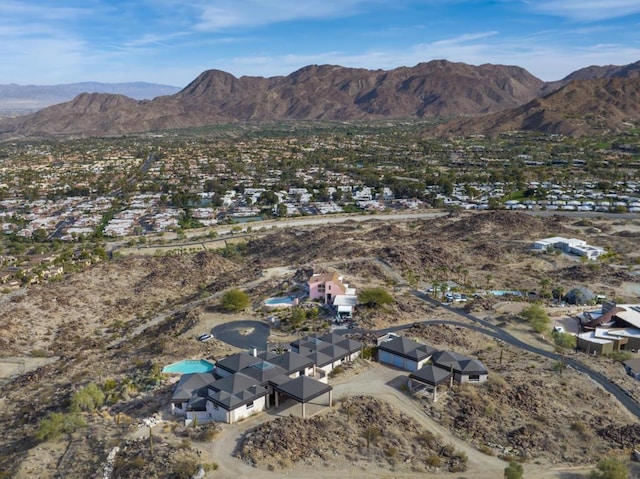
{"x": 243, "y": 384}
{"x": 233, "y": 398}
{"x": 188, "y": 386}
{"x": 464, "y": 368}
{"x": 404, "y": 353}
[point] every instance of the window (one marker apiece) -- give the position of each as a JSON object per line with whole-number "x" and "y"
{"x": 250, "y": 405}
{"x": 214, "y": 406}
{"x": 329, "y": 287}
{"x": 474, "y": 377}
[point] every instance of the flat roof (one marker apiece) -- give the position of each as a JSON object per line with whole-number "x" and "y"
{"x": 591, "y": 337}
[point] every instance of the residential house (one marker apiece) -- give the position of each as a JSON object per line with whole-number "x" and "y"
{"x": 571, "y": 246}
{"x": 446, "y": 367}
{"x": 247, "y": 383}
{"x": 326, "y": 286}
{"x": 404, "y": 353}
{"x": 464, "y": 368}
{"x": 233, "y": 398}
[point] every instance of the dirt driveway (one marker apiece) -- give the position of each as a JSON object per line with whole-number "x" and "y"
{"x": 378, "y": 381}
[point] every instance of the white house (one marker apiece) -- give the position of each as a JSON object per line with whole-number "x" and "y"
{"x": 571, "y": 246}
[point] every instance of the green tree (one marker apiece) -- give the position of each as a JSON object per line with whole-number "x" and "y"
{"x": 537, "y": 316}
{"x": 610, "y": 468}
{"x": 375, "y": 297}
{"x": 235, "y": 300}
{"x": 513, "y": 471}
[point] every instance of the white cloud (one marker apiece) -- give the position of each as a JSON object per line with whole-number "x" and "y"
{"x": 586, "y": 10}
{"x": 226, "y": 14}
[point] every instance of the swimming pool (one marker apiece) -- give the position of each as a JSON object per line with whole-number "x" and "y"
{"x": 189, "y": 366}
{"x": 505, "y": 293}
{"x": 281, "y": 301}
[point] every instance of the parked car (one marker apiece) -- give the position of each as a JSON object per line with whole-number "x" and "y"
{"x": 205, "y": 337}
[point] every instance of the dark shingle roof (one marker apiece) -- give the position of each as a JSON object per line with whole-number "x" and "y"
{"x": 471, "y": 366}
{"x": 336, "y": 352}
{"x": 233, "y": 384}
{"x": 407, "y": 348}
{"x": 458, "y": 362}
{"x": 431, "y": 374}
{"x": 263, "y": 371}
{"x": 303, "y": 388}
{"x": 339, "y": 340}
{"x": 318, "y": 357}
{"x": 291, "y": 362}
{"x": 190, "y": 383}
{"x": 237, "y": 362}
{"x": 231, "y": 401}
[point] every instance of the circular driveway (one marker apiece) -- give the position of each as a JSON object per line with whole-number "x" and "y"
{"x": 243, "y": 334}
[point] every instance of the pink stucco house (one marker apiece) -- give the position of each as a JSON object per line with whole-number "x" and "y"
{"x": 327, "y": 286}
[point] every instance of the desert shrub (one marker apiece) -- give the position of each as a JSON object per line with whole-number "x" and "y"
{"x": 337, "y": 370}
{"x": 184, "y": 468}
{"x": 610, "y": 468}
{"x": 485, "y": 449}
{"x": 208, "y": 434}
{"x": 39, "y": 353}
{"x": 367, "y": 352}
{"x": 497, "y": 383}
{"x": 391, "y": 451}
{"x": 578, "y": 426}
{"x": 619, "y": 356}
{"x": 513, "y": 471}
{"x": 56, "y": 424}
{"x": 211, "y": 466}
{"x": 564, "y": 340}
{"x": 89, "y": 398}
{"x": 434, "y": 461}
{"x": 426, "y": 438}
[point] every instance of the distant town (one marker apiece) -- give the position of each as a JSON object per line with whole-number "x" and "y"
{"x": 94, "y": 190}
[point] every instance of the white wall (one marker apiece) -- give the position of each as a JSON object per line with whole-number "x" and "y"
{"x": 465, "y": 378}
{"x": 222, "y": 415}
{"x": 178, "y": 409}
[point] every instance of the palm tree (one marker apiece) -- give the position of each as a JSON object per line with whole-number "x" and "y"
{"x": 544, "y": 285}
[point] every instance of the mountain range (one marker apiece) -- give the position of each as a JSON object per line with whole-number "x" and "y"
{"x": 490, "y": 98}
{"x": 35, "y": 97}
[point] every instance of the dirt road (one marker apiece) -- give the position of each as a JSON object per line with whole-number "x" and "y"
{"x": 378, "y": 381}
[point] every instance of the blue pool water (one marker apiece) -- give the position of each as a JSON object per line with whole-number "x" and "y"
{"x": 285, "y": 300}
{"x": 189, "y": 366}
{"x": 505, "y": 293}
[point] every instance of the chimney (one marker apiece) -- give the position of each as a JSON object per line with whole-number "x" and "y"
{"x": 254, "y": 352}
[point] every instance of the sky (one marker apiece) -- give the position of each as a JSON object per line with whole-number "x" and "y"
{"x": 46, "y": 42}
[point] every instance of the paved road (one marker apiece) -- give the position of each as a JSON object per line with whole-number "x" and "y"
{"x": 489, "y": 328}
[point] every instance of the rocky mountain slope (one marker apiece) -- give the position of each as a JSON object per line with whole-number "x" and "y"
{"x": 32, "y": 97}
{"x": 588, "y": 107}
{"x": 595, "y": 72}
{"x": 435, "y": 89}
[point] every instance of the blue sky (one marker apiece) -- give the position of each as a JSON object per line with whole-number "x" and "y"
{"x": 172, "y": 41}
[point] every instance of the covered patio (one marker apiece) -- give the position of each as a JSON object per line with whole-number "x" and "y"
{"x": 428, "y": 378}
{"x": 303, "y": 389}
